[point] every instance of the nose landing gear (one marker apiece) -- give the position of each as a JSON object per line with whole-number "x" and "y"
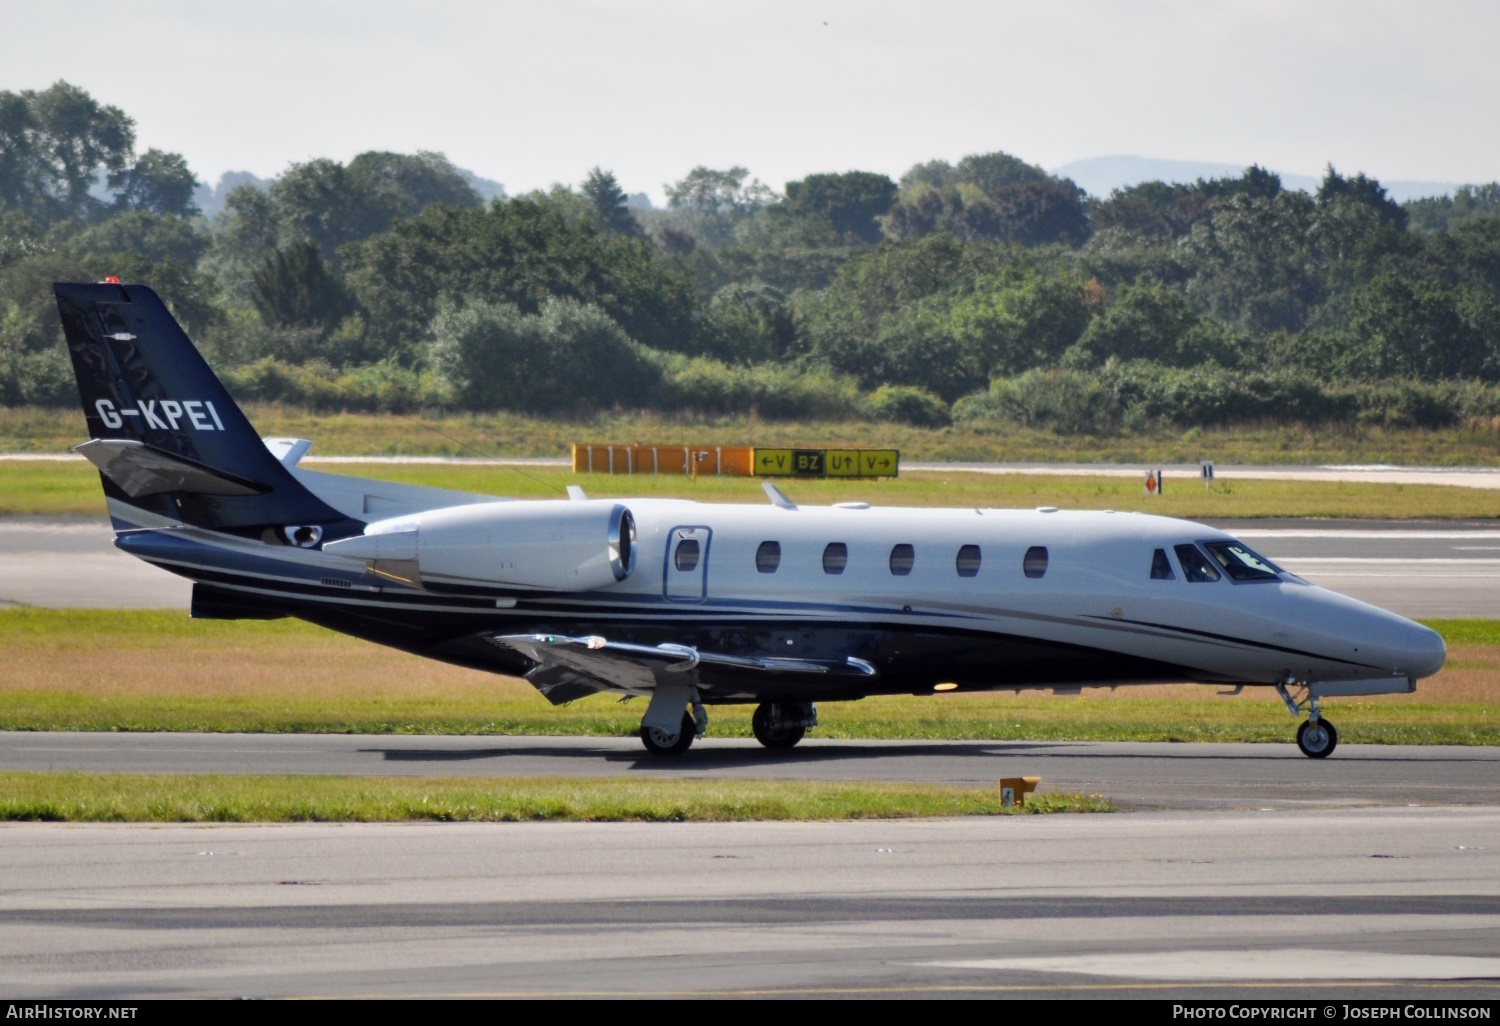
{"x": 1316, "y": 737}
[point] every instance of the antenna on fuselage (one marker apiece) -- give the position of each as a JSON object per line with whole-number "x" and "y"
{"x": 777, "y": 496}
{"x": 575, "y": 492}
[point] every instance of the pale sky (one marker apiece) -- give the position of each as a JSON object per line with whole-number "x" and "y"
{"x": 536, "y": 93}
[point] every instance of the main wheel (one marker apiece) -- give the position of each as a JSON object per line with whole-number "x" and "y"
{"x": 773, "y": 737}
{"x": 661, "y": 742}
{"x": 1317, "y": 739}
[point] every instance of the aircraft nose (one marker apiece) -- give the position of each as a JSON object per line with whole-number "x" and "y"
{"x": 1422, "y": 649}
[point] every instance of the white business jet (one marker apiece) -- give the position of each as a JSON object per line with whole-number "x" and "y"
{"x": 689, "y": 604}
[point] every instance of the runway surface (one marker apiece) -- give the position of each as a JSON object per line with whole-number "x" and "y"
{"x": 1417, "y": 568}
{"x": 1327, "y": 905}
{"x": 1134, "y": 775}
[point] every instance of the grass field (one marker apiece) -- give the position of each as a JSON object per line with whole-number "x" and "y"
{"x": 151, "y": 670}
{"x": 26, "y": 429}
{"x": 54, "y": 488}
{"x": 164, "y": 798}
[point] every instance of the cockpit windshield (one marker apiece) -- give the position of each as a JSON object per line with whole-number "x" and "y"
{"x": 1241, "y": 562}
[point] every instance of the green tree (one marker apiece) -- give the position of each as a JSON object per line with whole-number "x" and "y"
{"x": 568, "y": 356}
{"x": 744, "y": 325}
{"x": 1254, "y": 265}
{"x": 157, "y": 237}
{"x": 158, "y": 183}
{"x": 992, "y": 172}
{"x": 1152, "y": 322}
{"x": 1467, "y": 203}
{"x": 716, "y": 202}
{"x": 294, "y": 289}
{"x": 1367, "y": 192}
{"x": 53, "y": 146}
{"x": 609, "y": 201}
{"x": 244, "y": 235}
{"x": 325, "y": 203}
{"x": 415, "y": 182}
{"x": 522, "y": 253}
{"x": 849, "y": 202}
{"x": 1420, "y": 329}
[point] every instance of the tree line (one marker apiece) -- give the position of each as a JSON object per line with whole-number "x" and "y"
{"x": 981, "y": 290}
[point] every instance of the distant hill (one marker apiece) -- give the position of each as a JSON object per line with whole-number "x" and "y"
{"x": 1099, "y": 176}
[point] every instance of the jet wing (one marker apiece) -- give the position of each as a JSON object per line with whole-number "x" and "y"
{"x": 569, "y": 668}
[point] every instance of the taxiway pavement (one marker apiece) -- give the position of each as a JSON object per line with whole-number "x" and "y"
{"x": 1326, "y": 905}
{"x": 1134, "y": 775}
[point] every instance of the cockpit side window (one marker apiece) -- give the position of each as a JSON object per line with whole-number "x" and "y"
{"x": 1195, "y": 565}
{"x": 1161, "y": 567}
{"x": 1241, "y": 562}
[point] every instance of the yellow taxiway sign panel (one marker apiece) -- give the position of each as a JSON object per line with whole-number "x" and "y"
{"x": 826, "y": 462}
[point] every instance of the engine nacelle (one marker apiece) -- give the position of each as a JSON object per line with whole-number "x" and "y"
{"x": 545, "y": 546}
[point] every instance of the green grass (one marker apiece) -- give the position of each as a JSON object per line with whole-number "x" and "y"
{"x": 27, "y": 429}
{"x": 141, "y": 670}
{"x": 61, "y": 488}
{"x": 158, "y": 798}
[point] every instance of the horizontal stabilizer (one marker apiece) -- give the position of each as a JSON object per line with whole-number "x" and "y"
{"x": 139, "y": 469}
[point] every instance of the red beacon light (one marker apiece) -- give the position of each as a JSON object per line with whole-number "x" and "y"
{"x": 111, "y": 279}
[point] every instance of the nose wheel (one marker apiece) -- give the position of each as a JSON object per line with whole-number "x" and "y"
{"x": 1317, "y": 739}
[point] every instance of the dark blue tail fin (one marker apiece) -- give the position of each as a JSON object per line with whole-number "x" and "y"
{"x": 167, "y": 437}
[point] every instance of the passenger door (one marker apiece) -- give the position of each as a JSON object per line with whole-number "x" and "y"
{"x": 686, "y": 572}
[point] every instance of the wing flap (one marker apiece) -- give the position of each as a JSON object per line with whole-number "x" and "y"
{"x": 565, "y": 664}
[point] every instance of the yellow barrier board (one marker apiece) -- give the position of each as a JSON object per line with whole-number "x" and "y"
{"x": 826, "y": 462}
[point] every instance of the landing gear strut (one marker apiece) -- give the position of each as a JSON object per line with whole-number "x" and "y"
{"x": 1316, "y": 737}
{"x": 780, "y": 725}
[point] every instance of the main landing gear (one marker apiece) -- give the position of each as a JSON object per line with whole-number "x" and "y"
{"x": 1316, "y": 737}
{"x": 780, "y": 725}
{"x": 662, "y": 742}
{"x": 777, "y": 725}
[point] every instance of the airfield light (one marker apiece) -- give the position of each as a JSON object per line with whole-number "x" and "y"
{"x": 945, "y": 687}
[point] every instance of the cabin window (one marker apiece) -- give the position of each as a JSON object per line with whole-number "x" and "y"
{"x": 902, "y": 558}
{"x": 1195, "y": 565}
{"x": 835, "y": 558}
{"x": 768, "y": 557}
{"x": 968, "y": 561}
{"x": 1161, "y": 567}
{"x": 1242, "y": 563}
{"x": 686, "y": 557}
{"x": 1034, "y": 565}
